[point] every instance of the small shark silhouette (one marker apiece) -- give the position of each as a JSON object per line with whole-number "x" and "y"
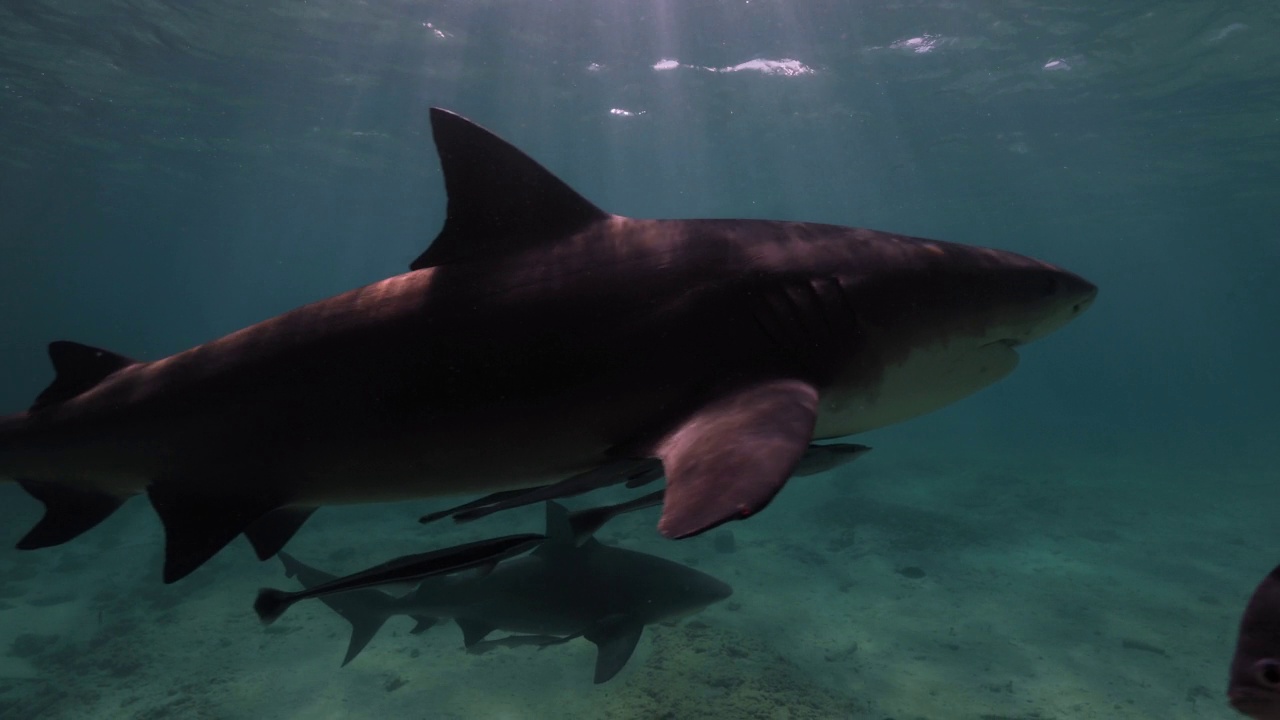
{"x": 566, "y": 588}
{"x": 580, "y": 338}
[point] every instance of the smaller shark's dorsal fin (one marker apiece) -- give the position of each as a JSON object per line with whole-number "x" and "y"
{"x": 77, "y": 368}
{"x": 559, "y": 528}
{"x": 500, "y": 200}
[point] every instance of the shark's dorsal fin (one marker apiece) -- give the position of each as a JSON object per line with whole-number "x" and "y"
{"x": 559, "y": 528}
{"x": 500, "y": 200}
{"x": 76, "y": 369}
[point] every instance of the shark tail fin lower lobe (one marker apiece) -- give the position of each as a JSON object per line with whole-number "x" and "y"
{"x": 68, "y": 512}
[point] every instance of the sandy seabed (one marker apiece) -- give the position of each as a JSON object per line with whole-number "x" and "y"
{"x": 907, "y": 586}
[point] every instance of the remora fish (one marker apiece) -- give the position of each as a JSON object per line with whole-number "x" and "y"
{"x": 1254, "y": 685}
{"x": 562, "y": 590}
{"x": 818, "y": 458}
{"x": 720, "y": 347}
{"x": 484, "y": 554}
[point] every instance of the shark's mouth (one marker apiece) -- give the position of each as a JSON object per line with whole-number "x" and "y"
{"x": 1007, "y": 342}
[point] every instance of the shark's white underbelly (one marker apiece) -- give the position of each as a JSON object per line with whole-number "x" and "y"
{"x": 929, "y": 378}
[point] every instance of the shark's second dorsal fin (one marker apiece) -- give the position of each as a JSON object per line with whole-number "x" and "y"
{"x": 76, "y": 369}
{"x": 500, "y": 200}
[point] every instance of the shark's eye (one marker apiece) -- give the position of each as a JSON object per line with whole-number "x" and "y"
{"x": 1267, "y": 673}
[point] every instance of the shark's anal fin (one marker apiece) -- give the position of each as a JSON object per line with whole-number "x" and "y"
{"x": 616, "y": 638}
{"x": 68, "y": 512}
{"x": 423, "y": 623}
{"x": 269, "y": 533}
{"x": 729, "y": 459}
{"x": 198, "y": 525}
{"x": 473, "y": 631}
{"x": 500, "y": 199}
{"x": 77, "y": 368}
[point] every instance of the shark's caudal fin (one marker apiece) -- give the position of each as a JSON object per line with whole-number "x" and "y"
{"x": 366, "y": 610}
{"x": 70, "y": 511}
{"x": 500, "y": 200}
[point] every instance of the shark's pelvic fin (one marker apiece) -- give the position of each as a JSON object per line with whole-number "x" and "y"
{"x": 473, "y": 631}
{"x": 77, "y": 368}
{"x": 728, "y": 460}
{"x": 616, "y": 638}
{"x": 500, "y": 200}
{"x": 269, "y": 533}
{"x": 68, "y": 512}
{"x": 197, "y": 526}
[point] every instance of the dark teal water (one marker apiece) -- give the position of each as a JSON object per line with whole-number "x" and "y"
{"x": 170, "y": 172}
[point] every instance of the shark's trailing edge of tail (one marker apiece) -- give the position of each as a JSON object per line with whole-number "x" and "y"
{"x": 69, "y": 510}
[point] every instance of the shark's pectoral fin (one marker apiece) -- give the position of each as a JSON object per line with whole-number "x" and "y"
{"x": 269, "y": 533}
{"x": 77, "y": 368}
{"x": 616, "y": 638}
{"x": 729, "y": 459}
{"x": 68, "y": 512}
{"x": 198, "y": 525}
{"x": 363, "y": 628}
{"x": 473, "y": 631}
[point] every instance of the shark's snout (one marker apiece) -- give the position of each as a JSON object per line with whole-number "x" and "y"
{"x": 718, "y": 591}
{"x": 1079, "y": 292}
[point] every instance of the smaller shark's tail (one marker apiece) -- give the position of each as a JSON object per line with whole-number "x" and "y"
{"x": 366, "y": 610}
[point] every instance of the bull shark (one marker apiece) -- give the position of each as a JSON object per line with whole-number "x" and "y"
{"x": 574, "y": 336}
{"x": 568, "y": 587}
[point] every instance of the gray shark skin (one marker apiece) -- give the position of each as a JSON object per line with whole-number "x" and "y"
{"x": 562, "y": 590}
{"x": 538, "y": 337}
